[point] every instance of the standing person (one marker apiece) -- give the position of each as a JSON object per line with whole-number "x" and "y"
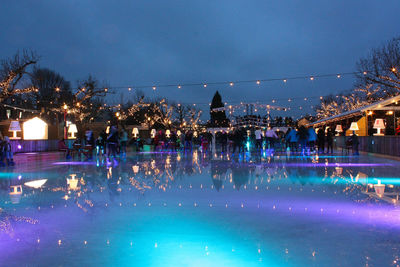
{"x": 224, "y": 141}
{"x": 271, "y": 137}
{"x": 89, "y": 144}
{"x": 188, "y": 140}
{"x": 237, "y": 141}
{"x": 100, "y": 145}
{"x": 355, "y": 142}
{"x": 303, "y": 137}
{"x": 312, "y": 138}
{"x": 103, "y": 145}
{"x": 259, "y": 139}
{"x": 287, "y": 138}
{"x": 329, "y": 141}
{"x": 182, "y": 141}
{"x": 8, "y": 151}
{"x": 204, "y": 143}
{"x": 293, "y": 139}
{"x": 321, "y": 140}
{"x": 112, "y": 142}
{"x": 124, "y": 141}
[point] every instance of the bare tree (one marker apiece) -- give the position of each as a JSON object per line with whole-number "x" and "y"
{"x": 381, "y": 67}
{"x": 13, "y": 72}
{"x": 53, "y": 89}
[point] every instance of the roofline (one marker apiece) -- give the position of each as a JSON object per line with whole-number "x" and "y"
{"x": 358, "y": 111}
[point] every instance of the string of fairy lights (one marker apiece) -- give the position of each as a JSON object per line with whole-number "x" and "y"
{"x": 235, "y": 82}
{"x": 287, "y": 102}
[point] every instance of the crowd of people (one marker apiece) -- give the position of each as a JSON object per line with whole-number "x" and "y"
{"x": 113, "y": 142}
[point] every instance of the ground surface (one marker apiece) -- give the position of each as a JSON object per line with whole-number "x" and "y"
{"x": 191, "y": 209}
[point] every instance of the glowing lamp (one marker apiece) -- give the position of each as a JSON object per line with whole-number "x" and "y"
{"x": 15, "y": 193}
{"x": 379, "y": 124}
{"x": 135, "y": 169}
{"x": 153, "y": 133}
{"x": 354, "y": 126}
{"x": 135, "y": 132}
{"x": 338, "y": 129}
{"x": 168, "y": 133}
{"x": 108, "y": 130}
{"x": 379, "y": 188}
{"x": 35, "y": 129}
{"x": 14, "y": 127}
{"x": 195, "y": 134}
{"x": 36, "y": 183}
{"x": 178, "y": 133}
{"x": 73, "y": 182}
{"x": 72, "y": 130}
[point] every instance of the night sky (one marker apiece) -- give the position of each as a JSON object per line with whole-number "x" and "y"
{"x": 128, "y": 43}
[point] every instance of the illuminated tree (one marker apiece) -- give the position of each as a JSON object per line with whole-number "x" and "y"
{"x": 382, "y": 67}
{"x": 14, "y": 72}
{"x": 218, "y": 118}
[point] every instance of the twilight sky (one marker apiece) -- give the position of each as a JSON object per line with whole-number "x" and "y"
{"x": 128, "y": 43}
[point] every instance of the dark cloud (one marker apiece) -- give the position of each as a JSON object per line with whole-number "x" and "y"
{"x": 176, "y": 41}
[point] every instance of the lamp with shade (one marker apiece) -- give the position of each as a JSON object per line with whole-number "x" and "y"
{"x": 14, "y": 127}
{"x": 338, "y": 129}
{"x": 354, "y": 126}
{"x": 379, "y": 124}
{"x": 135, "y": 132}
{"x": 72, "y": 129}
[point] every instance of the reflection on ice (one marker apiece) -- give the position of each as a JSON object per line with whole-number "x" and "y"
{"x": 252, "y": 205}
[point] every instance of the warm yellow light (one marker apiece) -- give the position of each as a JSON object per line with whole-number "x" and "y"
{"x": 35, "y": 129}
{"x": 231, "y": 83}
{"x": 117, "y": 114}
{"x": 394, "y": 69}
{"x": 65, "y": 106}
{"x": 72, "y": 129}
{"x": 312, "y": 78}
{"x": 135, "y": 132}
{"x": 389, "y": 112}
{"x": 370, "y": 113}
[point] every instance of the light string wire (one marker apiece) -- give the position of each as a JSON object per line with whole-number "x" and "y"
{"x": 233, "y": 82}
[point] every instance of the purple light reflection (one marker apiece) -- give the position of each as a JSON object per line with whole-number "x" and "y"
{"x": 331, "y": 164}
{"x": 75, "y": 163}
